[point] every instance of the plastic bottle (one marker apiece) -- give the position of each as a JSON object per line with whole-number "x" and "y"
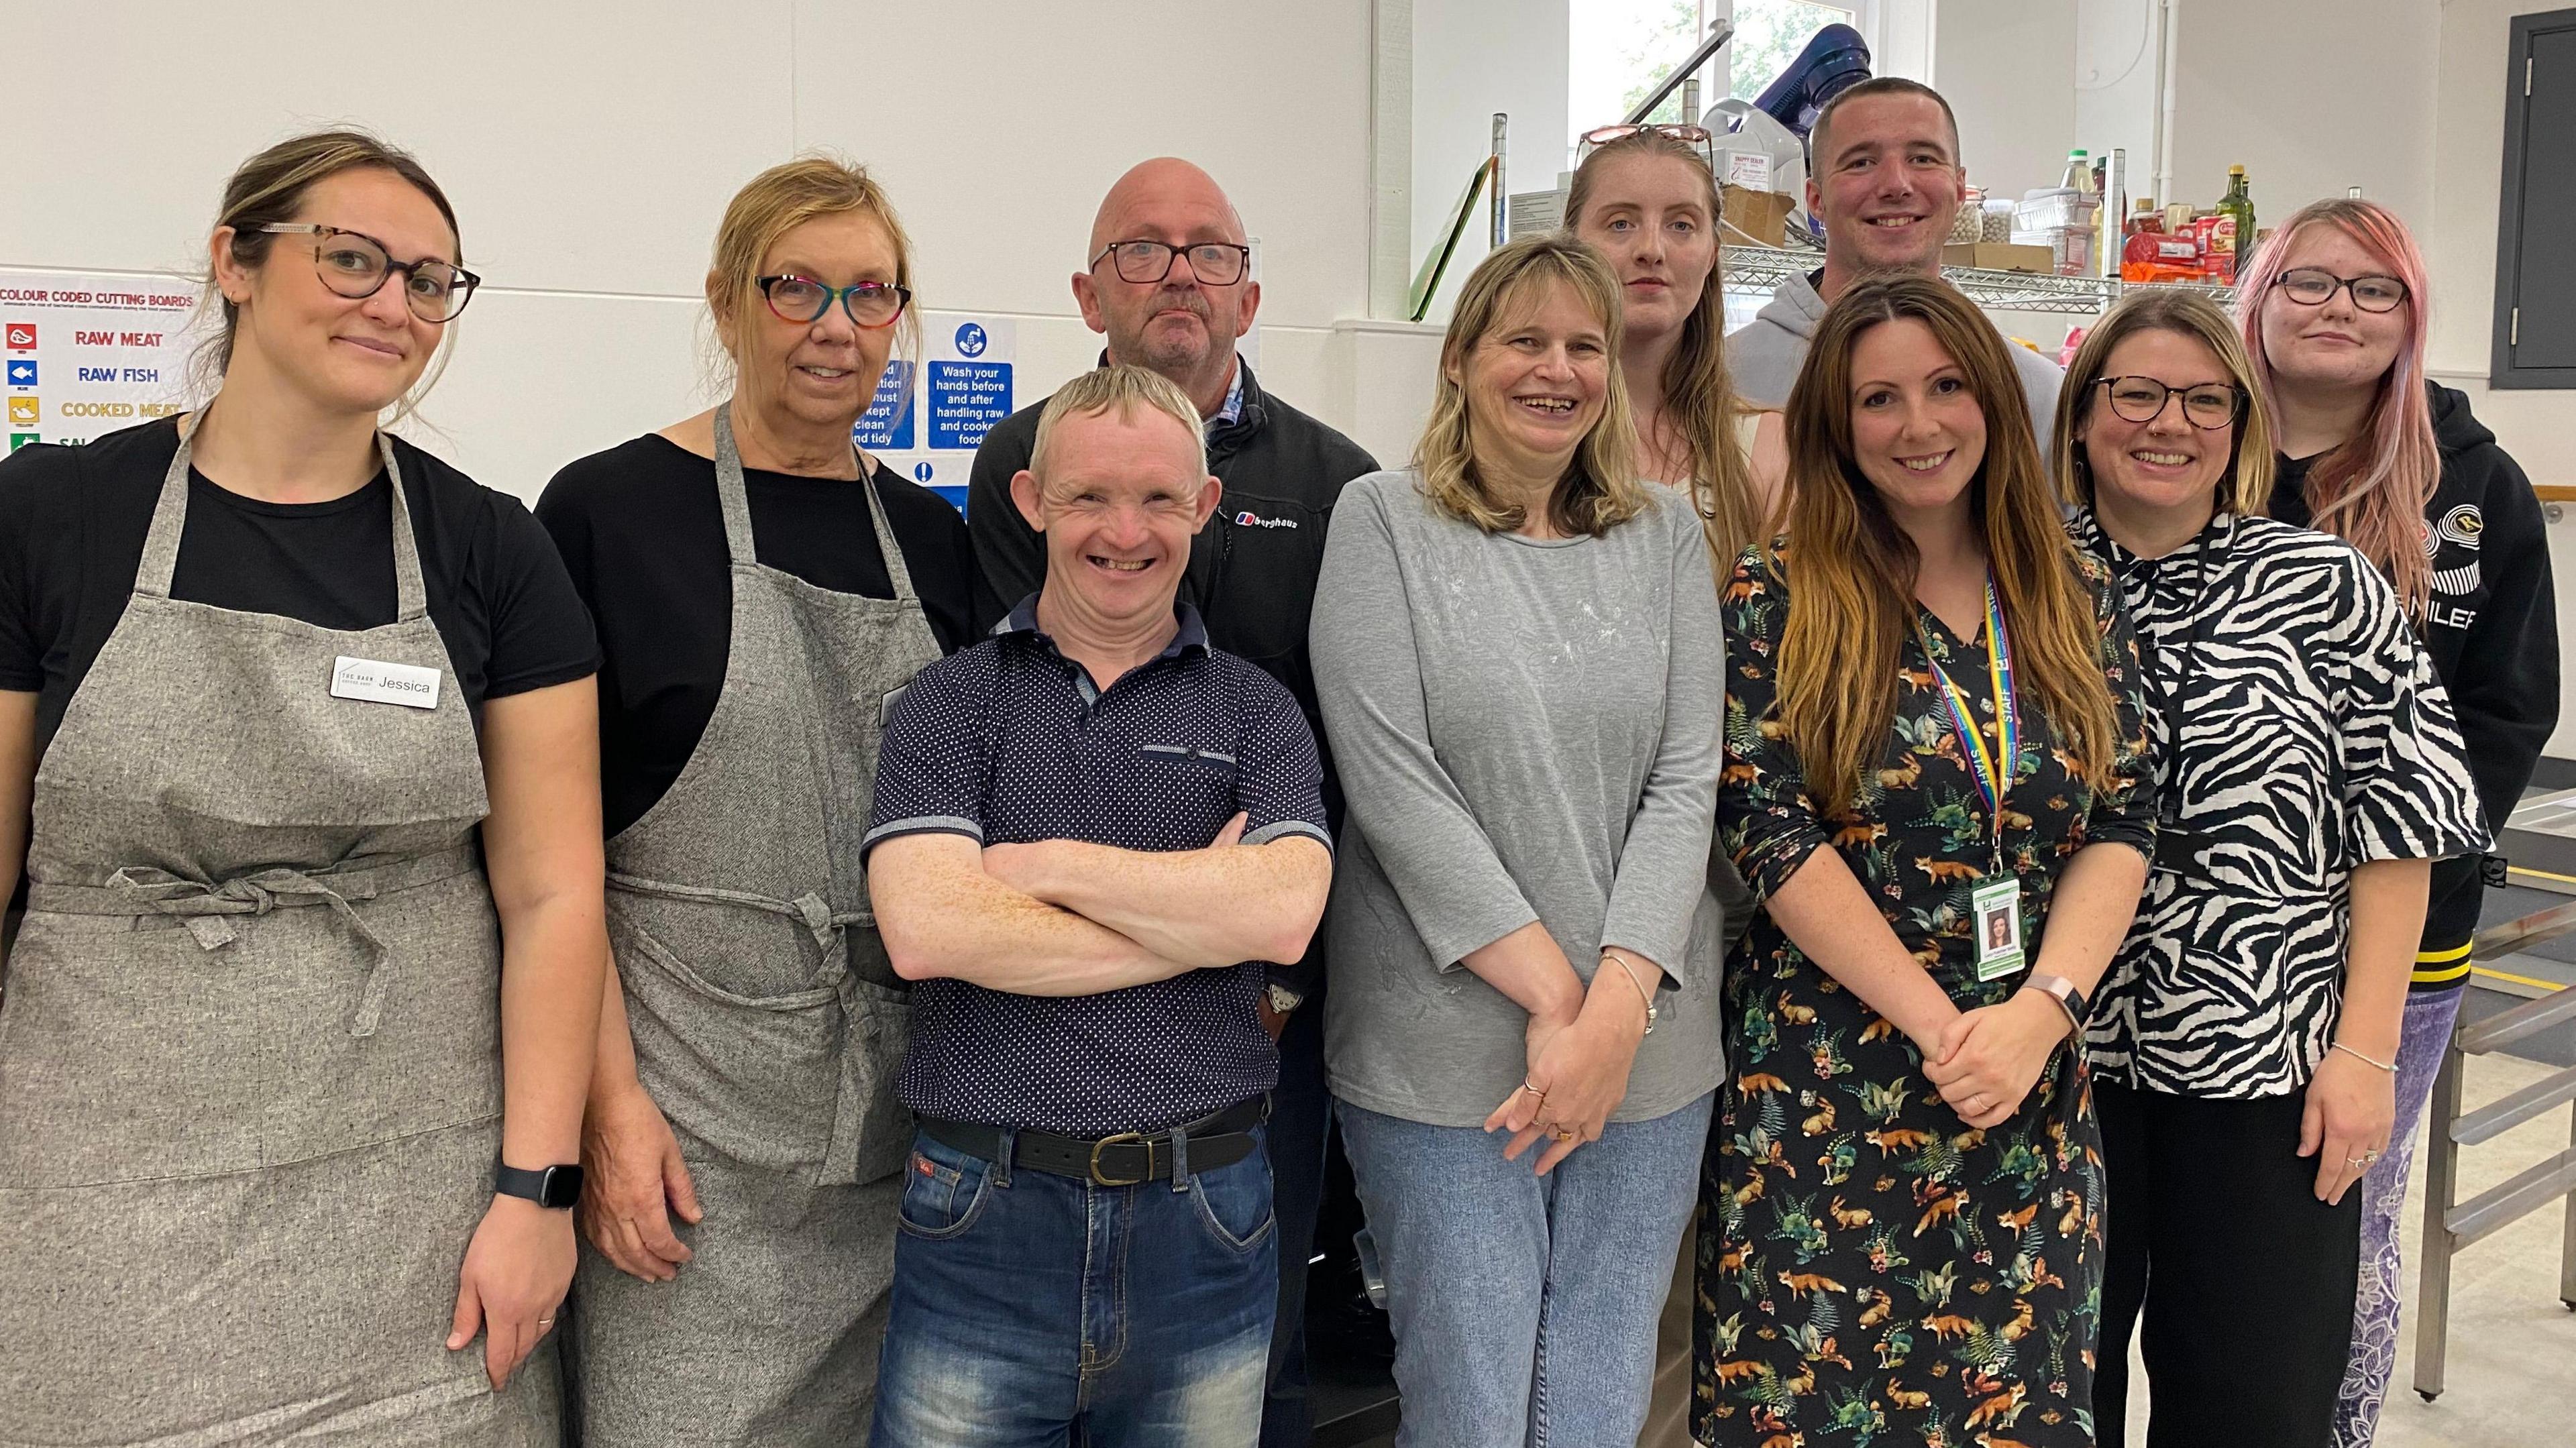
{"x": 2079, "y": 174}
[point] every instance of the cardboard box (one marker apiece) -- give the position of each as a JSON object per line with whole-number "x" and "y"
{"x": 1756, "y": 218}
{"x": 2000, "y": 256}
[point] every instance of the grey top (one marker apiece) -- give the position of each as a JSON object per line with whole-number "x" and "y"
{"x": 1526, "y": 731}
{"x": 1763, "y": 357}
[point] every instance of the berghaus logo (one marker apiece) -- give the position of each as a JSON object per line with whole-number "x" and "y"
{"x": 1249, "y": 519}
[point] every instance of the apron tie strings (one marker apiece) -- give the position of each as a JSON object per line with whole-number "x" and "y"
{"x": 829, "y": 928}
{"x": 200, "y": 909}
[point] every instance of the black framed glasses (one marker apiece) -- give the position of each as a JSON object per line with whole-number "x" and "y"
{"x": 2314, "y": 286}
{"x": 2208, "y": 406}
{"x": 354, "y": 265}
{"x": 803, "y": 300}
{"x": 1217, "y": 263}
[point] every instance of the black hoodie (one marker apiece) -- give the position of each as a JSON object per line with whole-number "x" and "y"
{"x": 2492, "y": 628}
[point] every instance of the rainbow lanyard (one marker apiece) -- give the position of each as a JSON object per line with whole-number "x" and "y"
{"x": 1993, "y": 768}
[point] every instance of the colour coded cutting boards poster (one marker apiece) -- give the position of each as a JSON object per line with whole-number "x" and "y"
{"x": 930, "y": 415}
{"x": 88, "y": 355}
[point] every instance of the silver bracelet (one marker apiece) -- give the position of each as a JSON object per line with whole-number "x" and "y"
{"x": 2365, "y": 1060}
{"x": 1643, "y": 994}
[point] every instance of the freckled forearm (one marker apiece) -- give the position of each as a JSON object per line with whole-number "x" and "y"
{"x": 1218, "y": 906}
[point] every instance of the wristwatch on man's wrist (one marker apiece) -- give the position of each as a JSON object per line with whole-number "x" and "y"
{"x": 2068, "y": 998}
{"x": 1283, "y": 1001}
{"x": 555, "y": 1187}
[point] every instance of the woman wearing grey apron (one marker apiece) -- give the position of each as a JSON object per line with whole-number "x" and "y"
{"x": 762, "y": 591}
{"x": 295, "y": 750}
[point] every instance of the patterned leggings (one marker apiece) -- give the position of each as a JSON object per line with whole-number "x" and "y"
{"x": 2429, "y": 1016}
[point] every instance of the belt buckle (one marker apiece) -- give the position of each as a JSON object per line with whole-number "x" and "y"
{"x": 1137, "y": 1138}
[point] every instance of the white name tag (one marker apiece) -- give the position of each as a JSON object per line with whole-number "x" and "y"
{"x": 378, "y": 682}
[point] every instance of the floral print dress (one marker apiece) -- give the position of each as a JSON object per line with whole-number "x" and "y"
{"x": 1873, "y": 1270}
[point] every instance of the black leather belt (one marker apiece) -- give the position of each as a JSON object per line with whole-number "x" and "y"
{"x": 1123, "y": 1159}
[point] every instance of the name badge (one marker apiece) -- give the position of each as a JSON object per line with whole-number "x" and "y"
{"x": 1997, "y": 908}
{"x": 377, "y": 682}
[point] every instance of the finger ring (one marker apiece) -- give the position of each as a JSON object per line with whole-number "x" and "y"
{"x": 2356, "y": 1161}
{"x": 1561, "y": 1133}
{"x": 1534, "y": 1091}
{"x": 545, "y": 1322}
{"x": 2371, "y": 1155}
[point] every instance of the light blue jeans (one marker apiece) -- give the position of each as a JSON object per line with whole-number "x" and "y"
{"x": 1525, "y": 1306}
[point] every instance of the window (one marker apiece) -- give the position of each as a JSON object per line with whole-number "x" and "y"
{"x": 1770, "y": 33}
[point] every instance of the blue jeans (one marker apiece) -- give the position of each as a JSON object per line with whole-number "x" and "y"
{"x": 1033, "y": 1309}
{"x": 1525, "y": 1306}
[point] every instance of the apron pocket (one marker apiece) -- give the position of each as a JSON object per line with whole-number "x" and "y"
{"x": 755, "y": 1077}
{"x": 882, "y": 1025}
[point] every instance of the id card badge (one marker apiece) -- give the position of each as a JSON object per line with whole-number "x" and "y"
{"x": 1997, "y": 908}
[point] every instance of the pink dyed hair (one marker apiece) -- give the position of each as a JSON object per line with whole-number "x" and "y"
{"x": 2372, "y": 489}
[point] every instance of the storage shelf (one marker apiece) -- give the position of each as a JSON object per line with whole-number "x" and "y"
{"x": 1758, "y": 270}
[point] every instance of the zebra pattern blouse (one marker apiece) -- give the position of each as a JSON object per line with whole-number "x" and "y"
{"x": 2315, "y": 737}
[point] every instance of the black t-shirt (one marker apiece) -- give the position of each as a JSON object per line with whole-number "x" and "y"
{"x": 72, "y": 527}
{"x": 643, "y": 535}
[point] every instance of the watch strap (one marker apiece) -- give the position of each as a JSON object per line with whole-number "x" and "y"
{"x": 2068, "y": 998}
{"x": 553, "y": 1187}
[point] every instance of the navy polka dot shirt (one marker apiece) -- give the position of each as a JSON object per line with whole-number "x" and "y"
{"x": 1008, "y": 742}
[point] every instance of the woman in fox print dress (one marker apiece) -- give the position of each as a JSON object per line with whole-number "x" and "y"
{"x": 1906, "y": 1199}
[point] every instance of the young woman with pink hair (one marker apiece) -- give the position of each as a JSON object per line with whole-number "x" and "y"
{"x": 2334, "y": 314}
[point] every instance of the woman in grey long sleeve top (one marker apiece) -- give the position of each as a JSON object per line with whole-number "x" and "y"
{"x": 1516, "y": 647}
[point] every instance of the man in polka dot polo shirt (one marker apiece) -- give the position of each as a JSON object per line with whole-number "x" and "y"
{"x": 1091, "y": 832}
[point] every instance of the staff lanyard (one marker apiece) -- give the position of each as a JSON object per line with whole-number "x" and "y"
{"x": 1992, "y": 769}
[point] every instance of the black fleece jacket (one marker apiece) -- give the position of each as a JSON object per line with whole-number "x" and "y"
{"x": 1252, "y": 568}
{"x": 2492, "y": 628}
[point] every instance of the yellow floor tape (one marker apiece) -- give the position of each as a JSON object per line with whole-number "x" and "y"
{"x": 2517, "y": 979}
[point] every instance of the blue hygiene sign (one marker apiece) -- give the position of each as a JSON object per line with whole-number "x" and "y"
{"x": 966, "y": 399}
{"x": 887, "y": 425}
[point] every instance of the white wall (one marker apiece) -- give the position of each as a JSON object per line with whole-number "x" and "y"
{"x": 590, "y": 148}
{"x": 2310, "y": 98}
{"x": 1472, "y": 58}
{"x": 2007, "y": 67}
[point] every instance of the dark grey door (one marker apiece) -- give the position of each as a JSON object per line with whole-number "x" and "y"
{"x": 2535, "y": 323}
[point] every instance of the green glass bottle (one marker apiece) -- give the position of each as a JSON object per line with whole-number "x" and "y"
{"x": 2237, "y": 206}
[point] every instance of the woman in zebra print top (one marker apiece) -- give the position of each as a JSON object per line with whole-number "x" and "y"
{"x": 2311, "y": 770}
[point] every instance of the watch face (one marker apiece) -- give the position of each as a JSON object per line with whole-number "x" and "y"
{"x": 561, "y": 1187}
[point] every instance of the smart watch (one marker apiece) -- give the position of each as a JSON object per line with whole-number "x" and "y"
{"x": 2068, "y": 998}
{"x": 555, "y": 1187}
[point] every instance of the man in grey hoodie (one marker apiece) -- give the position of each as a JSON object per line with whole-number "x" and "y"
{"x": 1883, "y": 173}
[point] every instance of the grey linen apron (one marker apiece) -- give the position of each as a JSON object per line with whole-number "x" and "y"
{"x": 250, "y": 1051}
{"x": 769, "y": 1027}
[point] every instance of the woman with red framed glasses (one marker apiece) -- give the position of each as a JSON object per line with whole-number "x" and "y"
{"x": 763, "y": 590}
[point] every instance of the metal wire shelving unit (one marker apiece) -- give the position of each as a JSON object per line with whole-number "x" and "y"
{"x": 1758, "y": 270}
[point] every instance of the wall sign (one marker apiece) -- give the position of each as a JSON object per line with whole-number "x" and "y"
{"x": 930, "y": 415}
{"x": 82, "y": 356}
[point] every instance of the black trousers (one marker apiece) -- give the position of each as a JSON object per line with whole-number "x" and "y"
{"x": 2245, "y": 1280}
{"x": 1299, "y": 1113}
